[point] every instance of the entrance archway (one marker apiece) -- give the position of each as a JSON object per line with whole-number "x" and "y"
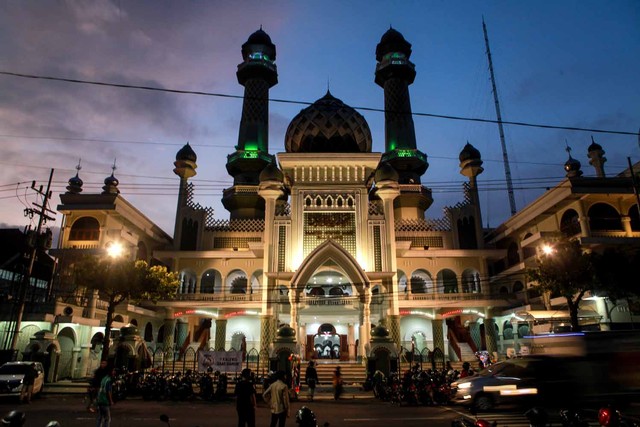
{"x": 327, "y": 343}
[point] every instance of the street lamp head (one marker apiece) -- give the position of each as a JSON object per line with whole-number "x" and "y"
{"x": 547, "y": 249}
{"x": 115, "y": 249}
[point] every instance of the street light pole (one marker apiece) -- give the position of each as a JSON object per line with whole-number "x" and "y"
{"x": 26, "y": 278}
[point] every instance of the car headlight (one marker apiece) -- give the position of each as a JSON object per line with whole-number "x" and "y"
{"x": 464, "y": 385}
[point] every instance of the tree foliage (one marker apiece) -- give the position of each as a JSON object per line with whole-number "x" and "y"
{"x": 616, "y": 270}
{"x": 567, "y": 271}
{"x": 119, "y": 280}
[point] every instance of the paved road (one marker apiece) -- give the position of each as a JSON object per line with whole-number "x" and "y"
{"x": 70, "y": 410}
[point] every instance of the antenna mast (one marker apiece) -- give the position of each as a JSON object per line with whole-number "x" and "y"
{"x": 505, "y": 156}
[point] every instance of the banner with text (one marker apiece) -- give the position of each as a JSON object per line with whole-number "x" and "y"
{"x": 223, "y": 361}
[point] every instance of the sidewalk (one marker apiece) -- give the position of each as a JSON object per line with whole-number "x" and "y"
{"x": 323, "y": 392}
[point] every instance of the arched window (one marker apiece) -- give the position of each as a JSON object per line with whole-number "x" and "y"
{"x": 421, "y": 282}
{"x": 148, "y": 332}
{"x": 187, "y": 282}
{"x": 471, "y": 281}
{"x": 85, "y": 228}
{"x": 209, "y": 281}
{"x": 447, "y": 281}
{"x": 518, "y": 287}
{"x": 570, "y": 223}
{"x": 603, "y": 217}
{"x": 237, "y": 282}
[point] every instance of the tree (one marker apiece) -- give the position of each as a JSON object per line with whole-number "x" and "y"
{"x": 119, "y": 280}
{"x": 568, "y": 271}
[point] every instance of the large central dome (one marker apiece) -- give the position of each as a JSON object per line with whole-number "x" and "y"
{"x": 328, "y": 126}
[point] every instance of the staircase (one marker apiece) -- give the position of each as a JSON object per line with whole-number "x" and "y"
{"x": 353, "y": 376}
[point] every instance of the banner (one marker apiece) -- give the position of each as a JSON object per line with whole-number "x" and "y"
{"x": 223, "y": 361}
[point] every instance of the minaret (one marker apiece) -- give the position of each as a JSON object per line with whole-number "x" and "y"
{"x": 257, "y": 73}
{"x": 394, "y": 73}
{"x": 471, "y": 167}
{"x": 185, "y": 168}
{"x": 597, "y": 158}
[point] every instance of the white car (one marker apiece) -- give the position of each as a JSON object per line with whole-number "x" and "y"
{"x": 12, "y": 376}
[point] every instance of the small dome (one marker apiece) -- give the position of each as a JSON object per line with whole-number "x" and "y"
{"x": 386, "y": 172}
{"x": 572, "y": 166}
{"x": 271, "y": 173}
{"x": 110, "y": 185}
{"x": 594, "y": 146}
{"x": 392, "y": 41}
{"x": 259, "y": 37}
{"x": 75, "y": 185}
{"x": 328, "y": 126}
{"x": 285, "y": 331}
{"x": 186, "y": 153}
{"x": 469, "y": 152}
{"x": 379, "y": 332}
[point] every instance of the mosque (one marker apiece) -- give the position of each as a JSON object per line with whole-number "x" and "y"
{"x": 327, "y": 252}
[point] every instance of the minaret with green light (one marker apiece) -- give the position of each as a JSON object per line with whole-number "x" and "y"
{"x": 394, "y": 73}
{"x": 257, "y": 73}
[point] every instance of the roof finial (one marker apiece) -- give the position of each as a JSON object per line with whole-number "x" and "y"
{"x": 568, "y": 149}
{"x": 78, "y": 167}
{"x": 261, "y": 26}
{"x": 113, "y": 168}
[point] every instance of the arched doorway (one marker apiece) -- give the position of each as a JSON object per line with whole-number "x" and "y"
{"x": 327, "y": 343}
{"x": 67, "y": 340}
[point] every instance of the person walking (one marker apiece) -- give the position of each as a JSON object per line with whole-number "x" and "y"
{"x": 277, "y": 396}
{"x": 27, "y": 383}
{"x": 246, "y": 400}
{"x": 337, "y": 383}
{"x": 311, "y": 378}
{"x": 94, "y": 385}
{"x": 104, "y": 399}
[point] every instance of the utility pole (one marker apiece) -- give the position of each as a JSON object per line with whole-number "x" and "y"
{"x": 35, "y": 243}
{"x": 505, "y": 156}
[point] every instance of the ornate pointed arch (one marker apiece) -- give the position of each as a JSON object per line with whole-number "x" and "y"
{"x": 330, "y": 251}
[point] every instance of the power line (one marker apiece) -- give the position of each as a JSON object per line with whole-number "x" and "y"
{"x": 288, "y": 101}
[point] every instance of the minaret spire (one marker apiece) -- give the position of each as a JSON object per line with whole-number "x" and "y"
{"x": 257, "y": 73}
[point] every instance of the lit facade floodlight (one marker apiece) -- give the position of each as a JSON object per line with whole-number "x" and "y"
{"x": 115, "y": 249}
{"x": 547, "y": 249}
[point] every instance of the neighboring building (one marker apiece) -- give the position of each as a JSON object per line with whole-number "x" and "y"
{"x": 327, "y": 252}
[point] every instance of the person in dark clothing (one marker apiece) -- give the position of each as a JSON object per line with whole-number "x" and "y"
{"x": 337, "y": 383}
{"x": 311, "y": 378}
{"x": 27, "y": 384}
{"x": 94, "y": 384}
{"x": 246, "y": 400}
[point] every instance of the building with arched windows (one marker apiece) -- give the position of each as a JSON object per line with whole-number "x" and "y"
{"x": 331, "y": 240}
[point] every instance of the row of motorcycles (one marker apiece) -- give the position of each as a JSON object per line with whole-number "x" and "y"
{"x": 607, "y": 416}
{"x": 160, "y": 386}
{"x": 415, "y": 387}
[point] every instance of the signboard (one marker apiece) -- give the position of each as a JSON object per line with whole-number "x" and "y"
{"x": 223, "y": 361}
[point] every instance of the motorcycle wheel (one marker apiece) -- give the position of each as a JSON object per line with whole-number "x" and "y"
{"x": 483, "y": 402}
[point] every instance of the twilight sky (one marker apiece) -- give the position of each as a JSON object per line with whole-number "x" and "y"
{"x": 568, "y": 63}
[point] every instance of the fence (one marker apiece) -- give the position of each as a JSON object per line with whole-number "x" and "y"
{"x": 170, "y": 360}
{"x": 425, "y": 359}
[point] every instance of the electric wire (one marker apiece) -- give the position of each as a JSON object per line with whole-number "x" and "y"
{"x": 288, "y": 101}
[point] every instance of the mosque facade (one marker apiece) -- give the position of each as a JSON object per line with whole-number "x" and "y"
{"x": 328, "y": 252}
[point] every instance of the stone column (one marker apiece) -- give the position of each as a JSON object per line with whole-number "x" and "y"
{"x": 438, "y": 335}
{"x": 626, "y": 225}
{"x": 351, "y": 341}
{"x": 293, "y": 310}
{"x": 490, "y": 336}
{"x": 74, "y": 362}
{"x": 474, "y": 331}
{"x": 221, "y": 334}
{"x": 393, "y": 323}
{"x": 267, "y": 335}
{"x": 183, "y": 332}
{"x": 85, "y": 355}
{"x": 169, "y": 326}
